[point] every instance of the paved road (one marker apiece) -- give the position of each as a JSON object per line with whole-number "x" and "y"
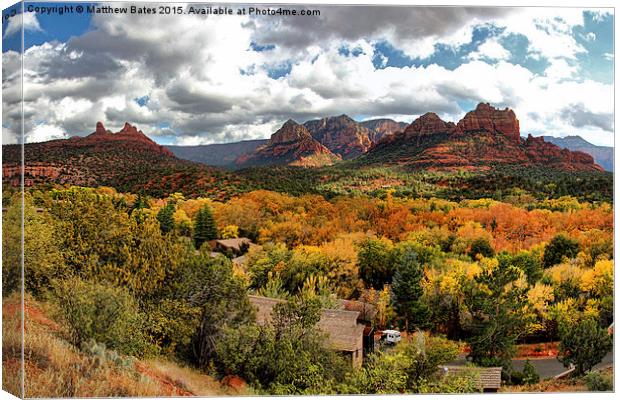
{"x": 546, "y": 367}
{"x": 550, "y": 367}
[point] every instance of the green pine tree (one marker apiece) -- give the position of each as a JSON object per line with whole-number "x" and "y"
{"x": 407, "y": 289}
{"x": 204, "y": 226}
{"x": 165, "y": 216}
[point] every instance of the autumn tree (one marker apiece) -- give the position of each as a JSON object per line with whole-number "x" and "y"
{"x": 375, "y": 262}
{"x": 42, "y": 259}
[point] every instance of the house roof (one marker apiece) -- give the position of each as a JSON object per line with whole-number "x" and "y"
{"x": 488, "y": 378}
{"x": 340, "y": 325}
{"x": 367, "y": 311}
{"x": 234, "y": 244}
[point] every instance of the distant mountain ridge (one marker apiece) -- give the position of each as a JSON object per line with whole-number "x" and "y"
{"x": 218, "y": 154}
{"x": 603, "y": 155}
{"x": 343, "y": 136}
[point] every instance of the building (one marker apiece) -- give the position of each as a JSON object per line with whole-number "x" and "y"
{"x": 489, "y": 379}
{"x": 235, "y": 247}
{"x": 367, "y": 313}
{"x": 345, "y": 333}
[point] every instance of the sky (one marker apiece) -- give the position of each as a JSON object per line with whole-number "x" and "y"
{"x": 189, "y": 79}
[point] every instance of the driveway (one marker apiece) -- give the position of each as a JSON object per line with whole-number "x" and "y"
{"x": 550, "y": 367}
{"x": 546, "y": 367}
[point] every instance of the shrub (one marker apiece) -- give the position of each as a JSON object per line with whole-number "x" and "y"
{"x": 104, "y": 313}
{"x": 530, "y": 375}
{"x": 597, "y": 382}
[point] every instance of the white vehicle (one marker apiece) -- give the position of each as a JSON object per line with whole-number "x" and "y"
{"x": 390, "y": 336}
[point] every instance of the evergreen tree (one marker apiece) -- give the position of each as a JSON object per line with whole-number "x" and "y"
{"x": 165, "y": 216}
{"x": 498, "y": 314}
{"x": 204, "y": 226}
{"x": 583, "y": 344}
{"x": 560, "y": 246}
{"x": 407, "y": 289}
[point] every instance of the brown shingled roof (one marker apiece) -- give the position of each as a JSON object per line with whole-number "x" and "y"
{"x": 488, "y": 378}
{"x": 367, "y": 311}
{"x": 340, "y": 325}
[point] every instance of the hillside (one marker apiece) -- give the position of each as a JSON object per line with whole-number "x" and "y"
{"x": 218, "y": 154}
{"x": 292, "y": 145}
{"x": 485, "y": 138}
{"x": 55, "y": 368}
{"x": 603, "y": 155}
{"x": 127, "y": 160}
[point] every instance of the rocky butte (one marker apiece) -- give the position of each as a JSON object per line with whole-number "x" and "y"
{"x": 341, "y": 135}
{"x": 483, "y": 138}
{"x": 292, "y": 144}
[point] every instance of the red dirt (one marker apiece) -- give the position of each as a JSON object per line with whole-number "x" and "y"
{"x": 537, "y": 350}
{"x": 32, "y": 314}
{"x": 169, "y": 387}
{"x": 234, "y": 382}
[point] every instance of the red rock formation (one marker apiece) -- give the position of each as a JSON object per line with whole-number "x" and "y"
{"x": 541, "y": 152}
{"x": 382, "y": 127}
{"x": 429, "y": 124}
{"x": 129, "y": 135}
{"x": 487, "y": 118}
{"x": 342, "y": 135}
{"x": 292, "y": 144}
{"x": 100, "y": 129}
{"x": 483, "y": 138}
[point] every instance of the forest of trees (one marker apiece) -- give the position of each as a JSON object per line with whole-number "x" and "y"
{"x": 480, "y": 276}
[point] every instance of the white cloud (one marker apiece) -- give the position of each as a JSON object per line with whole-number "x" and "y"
{"x": 559, "y": 69}
{"x": 490, "y": 49}
{"x": 45, "y": 132}
{"x": 590, "y": 36}
{"x": 191, "y": 71}
{"x": 29, "y": 21}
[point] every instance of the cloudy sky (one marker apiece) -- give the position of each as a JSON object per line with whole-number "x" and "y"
{"x": 211, "y": 79}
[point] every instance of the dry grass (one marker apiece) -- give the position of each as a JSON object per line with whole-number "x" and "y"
{"x": 189, "y": 379}
{"x": 549, "y": 386}
{"x": 11, "y": 347}
{"x": 55, "y": 368}
{"x": 556, "y": 385}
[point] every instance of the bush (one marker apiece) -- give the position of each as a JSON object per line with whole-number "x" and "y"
{"x": 103, "y": 313}
{"x": 597, "y": 382}
{"x": 517, "y": 377}
{"x": 530, "y": 375}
